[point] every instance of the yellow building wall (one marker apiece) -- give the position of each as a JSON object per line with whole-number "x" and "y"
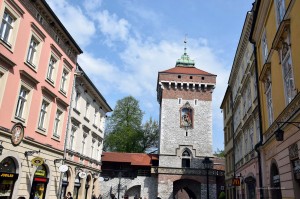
{"x": 278, "y": 96}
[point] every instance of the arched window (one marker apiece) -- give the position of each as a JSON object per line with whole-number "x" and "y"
{"x": 65, "y": 184}
{"x": 275, "y": 182}
{"x": 186, "y": 159}
{"x": 77, "y": 185}
{"x": 39, "y": 184}
{"x": 8, "y": 177}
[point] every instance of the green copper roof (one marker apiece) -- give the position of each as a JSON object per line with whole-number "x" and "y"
{"x": 185, "y": 60}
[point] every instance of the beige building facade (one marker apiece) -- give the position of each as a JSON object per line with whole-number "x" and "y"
{"x": 85, "y": 139}
{"x": 241, "y": 120}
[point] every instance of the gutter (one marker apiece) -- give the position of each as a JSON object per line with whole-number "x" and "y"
{"x": 259, "y": 144}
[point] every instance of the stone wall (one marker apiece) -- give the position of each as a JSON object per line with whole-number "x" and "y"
{"x": 145, "y": 187}
{"x": 172, "y": 137}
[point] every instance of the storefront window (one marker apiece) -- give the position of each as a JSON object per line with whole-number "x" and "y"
{"x": 39, "y": 184}
{"x": 65, "y": 184}
{"x": 76, "y": 186}
{"x": 8, "y": 177}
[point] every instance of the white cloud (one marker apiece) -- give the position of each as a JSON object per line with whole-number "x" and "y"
{"x": 111, "y": 26}
{"x": 78, "y": 25}
{"x": 91, "y": 5}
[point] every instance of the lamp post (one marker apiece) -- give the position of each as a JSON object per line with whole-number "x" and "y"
{"x": 207, "y": 164}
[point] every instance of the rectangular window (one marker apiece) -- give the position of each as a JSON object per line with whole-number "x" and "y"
{"x": 72, "y": 137}
{"x": 95, "y": 117}
{"x": 288, "y": 77}
{"x": 6, "y": 27}
{"x": 83, "y": 146}
{"x": 196, "y": 102}
{"x": 51, "y": 69}
{"x": 57, "y": 123}
{"x": 268, "y": 87}
{"x": 179, "y": 100}
{"x": 92, "y": 151}
{"x": 264, "y": 47}
{"x": 280, "y": 10}
{"x": 257, "y": 129}
{"x": 77, "y": 96}
{"x": 32, "y": 51}
{"x": 21, "y": 103}
{"x": 43, "y": 115}
{"x": 87, "y": 105}
{"x": 251, "y": 137}
{"x": 64, "y": 79}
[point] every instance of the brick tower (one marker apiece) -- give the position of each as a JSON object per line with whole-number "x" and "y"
{"x": 184, "y": 93}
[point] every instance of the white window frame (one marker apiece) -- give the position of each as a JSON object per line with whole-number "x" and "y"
{"x": 87, "y": 107}
{"x": 3, "y": 81}
{"x": 95, "y": 117}
{"x": 16, "y": 15}
{"x": 268, "y": 93}
{"x": 287, "y": 72}
{"x": 22, "y": 103}
{"x": 264, "y": 47}
{"x": 280, "y": 10}
{"x": 32, "y": 52}
{"x": 52, "y": 69}
{"x": 77, "y": 99}
{"x": 26, "y": 109}
{"x": 58, "y": 121}
{"x": 64, "y": 83}
{"x": 72, "y": 137}
{"x": 44, "y": 114}
{"x": 6, "y": 27}
{"x": 83, "y": 145}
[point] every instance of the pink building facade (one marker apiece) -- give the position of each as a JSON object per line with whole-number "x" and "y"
{"x": 37, "y": 65}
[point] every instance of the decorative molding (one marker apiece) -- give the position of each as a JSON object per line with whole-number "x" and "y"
{"x": 38, "y": 31}
{"x": 29, "y": 77}
{"x": 186, "y": 171}
{"x": 281, "y": 34}
{"x": 286, "y": 115}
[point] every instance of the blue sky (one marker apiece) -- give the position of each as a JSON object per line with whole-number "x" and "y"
{"x": 126, "y": 43}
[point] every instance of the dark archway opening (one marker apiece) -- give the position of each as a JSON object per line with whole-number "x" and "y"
{"x": 186, "y": 189}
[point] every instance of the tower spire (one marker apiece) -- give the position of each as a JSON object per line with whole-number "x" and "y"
{"x": 185, "y": 60}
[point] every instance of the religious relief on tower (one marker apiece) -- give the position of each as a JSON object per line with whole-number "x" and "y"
{"x": 186, "y": 116}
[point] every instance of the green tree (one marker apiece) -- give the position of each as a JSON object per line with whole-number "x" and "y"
{"x": 219, "y": 153}
{"x": 124, "y": 129}
{"x": 150, "y": 134}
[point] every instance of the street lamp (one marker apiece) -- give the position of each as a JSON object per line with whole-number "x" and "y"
{"x": 207, "y": 164}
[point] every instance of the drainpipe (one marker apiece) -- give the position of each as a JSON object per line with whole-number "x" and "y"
{"x": 233, "y": 144}
{"x": 259, "y": 144}
{"x": 76, "y": 73}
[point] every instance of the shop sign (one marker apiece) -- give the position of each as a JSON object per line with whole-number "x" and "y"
{"x": 82, "y": 174}
{"x": 63, "y": 168}
{"x": 41, "y": 179}
{"x": 11, "y": 176}
{"x": 37, "y": 161}
{"x": 236, "y": 182}
{"x": 40, "y": 173}
{"x": 17, "y": 134}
